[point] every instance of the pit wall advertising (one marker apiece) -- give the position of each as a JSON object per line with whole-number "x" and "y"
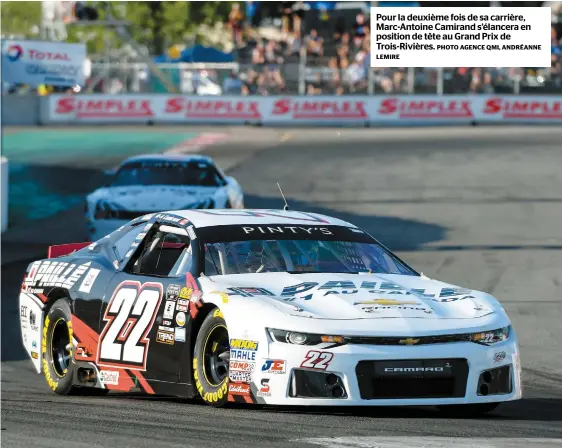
{"x": 43, "y": 62}
{"x": 294, "y": 110}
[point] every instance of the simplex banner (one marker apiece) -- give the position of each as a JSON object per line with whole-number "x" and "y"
{"x": 311, "y": 110}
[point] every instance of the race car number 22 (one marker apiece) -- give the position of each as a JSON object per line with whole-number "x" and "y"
{"x": 129, "y": 317}
{"x": 317, "y": 360}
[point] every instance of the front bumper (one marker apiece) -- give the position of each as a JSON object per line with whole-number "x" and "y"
{"x": 363, "y": 374}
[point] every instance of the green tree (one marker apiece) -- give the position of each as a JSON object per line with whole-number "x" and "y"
{"x": 157, "y": 25}
{"x": 18, "y": 18}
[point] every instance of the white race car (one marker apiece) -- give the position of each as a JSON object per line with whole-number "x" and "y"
{"x": 263, "y": 306}
{"x": 152, "y": 183}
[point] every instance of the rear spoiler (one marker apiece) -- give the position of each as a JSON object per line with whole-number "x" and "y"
{"x": 65, "y": 249}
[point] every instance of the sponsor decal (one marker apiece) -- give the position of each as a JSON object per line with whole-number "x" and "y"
{"x": 301, "y": 108}
{"x": 109, "y": 377}
{"x": 237, "y": 375}
{"x": 180, "y": 319}
{"x": 190, "y": 231}
{"x": 186, "y": 293}
{"x": 180, "y": 334}
{"x": 219, "y": 108}
{"x": 172, "y": 292}
{"x": 23, "y": 311}
{"x": 89, "y": 280}
{"x": 523, "y": 108}
{"x": 34, "y": 290}
{"x": 274, "y": 366}
{"x": 241, "y": 366}
{"x": 115, "y": 264}
{"x": 167, "y": 323}
{"x": 114, "y": 107}
{"x": 239, "y": 389}
{"x": 128, "y": 254}
{"x": 169, "y": 309}
{"x": 408, "y": 341}
{"x": 34, "y": 355}
{"x": 249, "y": 292}
{"x": 389, "y": 302}
{"x": 374, "y": 309}
{"x": 244, "y": 344}
{"x": 243, "y": 355}
{"x": 264, "y": 390}
{"x": 34, "y": 344}
{"x": 499, "y": 357}
{"x": 33, "y": 321}
{"x": 297, "y": 230}
{"x": 55, "y": 273}
{"x": 315, "y": 359}
{"x": 433, "y": 108}
{"x": 165, "y": 337}
{"x": 183, "y": 305}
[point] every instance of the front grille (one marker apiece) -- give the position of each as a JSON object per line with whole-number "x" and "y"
{"x": 407, "y": 340}
{"x": 417, "y": 378}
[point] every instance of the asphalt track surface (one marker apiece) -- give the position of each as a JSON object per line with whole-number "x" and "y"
{"x": 480, "y": 207}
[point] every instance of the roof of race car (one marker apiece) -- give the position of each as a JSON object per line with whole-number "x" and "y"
{"x": 169, "y": 157}
{"x": 209, "y": 218}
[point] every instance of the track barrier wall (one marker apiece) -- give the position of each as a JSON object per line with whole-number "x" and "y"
{"x": 425, "y": 110}
{"x": 4, "y": 200}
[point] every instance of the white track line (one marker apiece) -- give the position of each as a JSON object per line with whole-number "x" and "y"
{"x": 430, "y": 442}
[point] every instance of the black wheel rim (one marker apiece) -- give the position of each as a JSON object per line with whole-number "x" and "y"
{"x": 60, "y": 343}
{"x": 216, "y": 354}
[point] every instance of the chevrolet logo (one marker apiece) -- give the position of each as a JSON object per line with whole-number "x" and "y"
{"x": 408, "y": 341}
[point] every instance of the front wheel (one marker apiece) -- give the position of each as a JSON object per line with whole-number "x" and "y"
{"x": 57, "y": 348}
{"x": 211, "y": 359}
{"x": 468, "y": 410}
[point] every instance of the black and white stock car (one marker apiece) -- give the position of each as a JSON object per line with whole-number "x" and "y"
{"x": 153, "y": 183}
{"x": 262, "y": 306}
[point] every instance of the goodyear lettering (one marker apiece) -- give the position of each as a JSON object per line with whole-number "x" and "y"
{"x": 218, "y": 313}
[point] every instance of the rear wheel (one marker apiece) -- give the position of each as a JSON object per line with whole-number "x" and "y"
{"x": 211, "y": 359}
{"x": 468, "y": 410}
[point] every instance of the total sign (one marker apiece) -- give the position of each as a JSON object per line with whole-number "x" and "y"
{"x": 43, "y": 62}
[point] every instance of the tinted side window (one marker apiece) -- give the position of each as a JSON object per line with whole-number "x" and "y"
{"x": 124, "y": 243}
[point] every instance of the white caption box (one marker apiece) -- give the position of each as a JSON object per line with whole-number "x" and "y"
{"x": 460, "y": 37}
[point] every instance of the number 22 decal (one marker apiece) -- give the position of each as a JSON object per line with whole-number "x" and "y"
{"x": 129, "y": 317}
{"x": 317, "y": 360}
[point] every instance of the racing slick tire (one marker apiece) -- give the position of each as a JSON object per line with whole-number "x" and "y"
{"x": 57, "y": 351}
{"x": 56, "y": 347}
{"x": 211, "y": 359}
{"x": 468, "y": 410}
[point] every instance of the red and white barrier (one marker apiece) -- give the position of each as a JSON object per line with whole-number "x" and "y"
{"x": 312, "y": 110}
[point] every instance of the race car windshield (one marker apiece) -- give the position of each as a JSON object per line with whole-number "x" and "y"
{"x": 300, "y": 256}
{"x": 167, "y": 173}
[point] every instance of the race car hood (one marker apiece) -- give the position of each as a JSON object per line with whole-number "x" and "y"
{"x": 357, "y": 296}
{"x": 154, "y": 197}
